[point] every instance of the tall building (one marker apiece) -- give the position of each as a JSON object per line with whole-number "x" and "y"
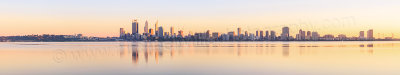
{"x": 207, "y": 34}
{"x": 246, "y": 34}
{"x": 180, "y": 33}
{"x": 215, "y": 35}
{"x": 361, "y": 37}
{"x": 121, "y": 32}
{"x": 315, "y": 36}
{"x": 146, "y": 27}
{"x": 239, "y": 30}
{"x": 285, "y": 33}
{"x": 308, "y": 33}
{"x": 172, "y": 30}
{"x": 155, "y": 26}
{"x": 160, "y": 31}
{"x": 370, "y": 34}
{"x": 273, "y": 35}
{"x": 261, "y": 34}
{"x": 135, "y": 27}
{"x": 151, "y": 31}
{"x": 257, "y": 33}
{"x": 266, "y": 34}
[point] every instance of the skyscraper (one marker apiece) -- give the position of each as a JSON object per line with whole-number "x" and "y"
{"x": 146, "y": 27}
{"x": 121, "y": 32}
{"x": 261, "y": 34}
{"x": 207, "y": 34}
{"x": 155, "y": 26}
{"x": 172, "y": 30}
{"x": 370, "y": 34}
{"x": 239, "y": 30}
{"x": 160, "y": 31}
{"x": 257, "y": 33}
{"x": 246, "y": 34}
{"x": 151, "y": 31}
{"x": 135, "y": 27}
{"x": 361, "y": 37}
{"x": 285, "y": 33}
{"x": 266, "y": 34}
{"x": 315, "y": 36}
{"x": 180, "y": 33}
{"x": 273, "y": 35}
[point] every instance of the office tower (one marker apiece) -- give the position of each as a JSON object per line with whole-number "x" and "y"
{"x": 180, "y": 33}
{"x": 160, "y": 31}
{"x": 207, "y": 34}
{"x": 361, "y": 37}
{"x": 215, "y": 35}
{"x": 239, "y": 30}
{"x": 156, "y": 28}
{"x": 315, "y": 36}
{"x": 308, "y": 33}
{"x": 342, "y": 37}
{"x": 121, "y": 32}
{"x": 257, "y": 33}
{"x": 266, "y": 34}
{"x": 135, "y": 26}
{"x": 146, "y": 27}
{"x": 172, "y": 30}
{"x": 151, "y": 31}
{"x": 246, "y": 34}
{"x": 370, "y": 34}
{"x": 273, "y": 35}
{"x": 261, "y": 34}
{"x": 231, "y": 35}
{"x": 285, "y": 33}
{"x": 166, "y": 34}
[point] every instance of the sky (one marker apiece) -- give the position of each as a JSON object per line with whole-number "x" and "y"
{"x": 104, "y": 17}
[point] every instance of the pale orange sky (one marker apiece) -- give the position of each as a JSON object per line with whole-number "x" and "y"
{"x": 104, "y": 18}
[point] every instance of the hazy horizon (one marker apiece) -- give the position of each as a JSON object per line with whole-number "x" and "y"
{"x": 104, "y": 18}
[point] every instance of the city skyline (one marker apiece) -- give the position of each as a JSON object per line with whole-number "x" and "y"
{"x": 101, "y": 18}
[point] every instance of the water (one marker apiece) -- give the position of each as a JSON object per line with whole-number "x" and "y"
{"x": 199, "y": 58}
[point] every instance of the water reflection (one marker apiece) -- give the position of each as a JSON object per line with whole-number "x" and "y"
{"x": 202, "y": 56}
{"x": 149, "y": 51}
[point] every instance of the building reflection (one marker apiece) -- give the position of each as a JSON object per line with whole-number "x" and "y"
{"x": 285, "y": 50}
{"x": 135, "y": 55}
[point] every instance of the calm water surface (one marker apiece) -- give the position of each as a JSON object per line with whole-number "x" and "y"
{"x": 199, "y": 58}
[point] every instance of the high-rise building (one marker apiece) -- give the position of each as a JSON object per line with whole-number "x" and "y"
{"x": 135, "y": 27}
{"x": 361, "y": 37}
{"x": 315, "y": 36}
{"x": 246, "y": 34}
{"x": 273, "y": 35}
{"x": 207, "y": 34}
{"x": 172, "y": 30}
{"x": 151, "y": 31}
{"x": 266, "y": 34}
{"x": 239, "y": 30}
{"x": 285, "y": 33}
{"x": 370, "y": 34}
{"x": 261, "y": 34}
{"x": 308, "y": 33}
{"x": 155, "y": 26}
{"x": 146, "y": 27}
{"x": 180, "y": 33}
{"x": 257, "y": 33}
{"x": 215, "y": 35}
{"x": 121, "y": 32}
{"x": 160, "y": 31}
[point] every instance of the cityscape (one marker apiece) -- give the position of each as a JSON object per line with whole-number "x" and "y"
{"x": 158, "y": 33}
